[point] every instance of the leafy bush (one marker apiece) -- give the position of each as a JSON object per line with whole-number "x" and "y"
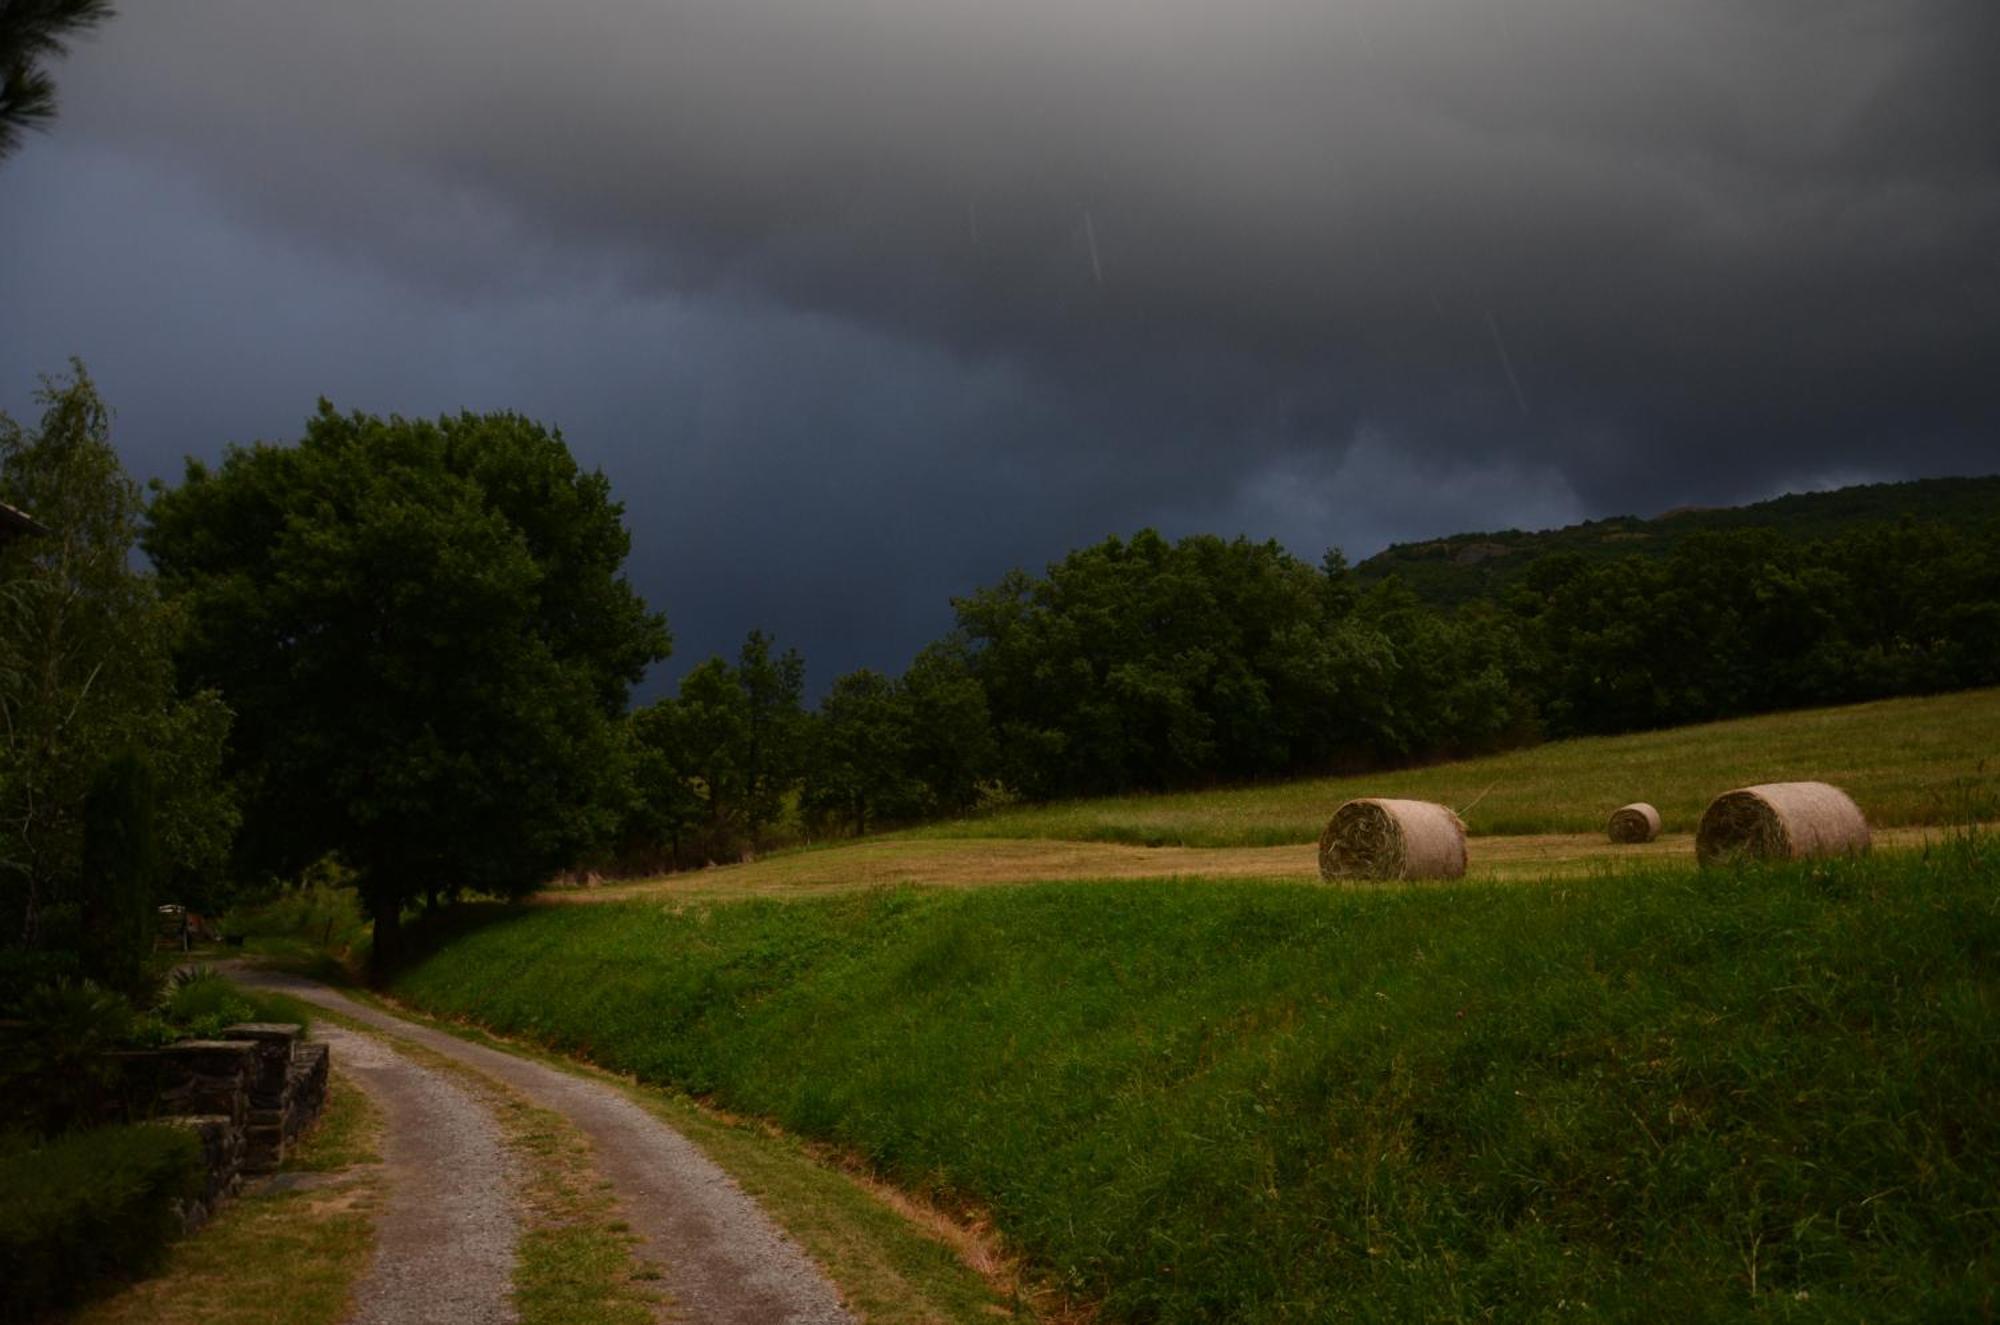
{"x": 203, "y": 1003}
{"x": 56, "y": 1069}
{"x": 321, "y": 915}
{"x": 86, "y": 1206}
{"x": 24, "y": 970}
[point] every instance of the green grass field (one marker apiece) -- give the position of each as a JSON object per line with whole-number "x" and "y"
{"x": 1905, "y": 761}
{"x": 1766, "y": 1093}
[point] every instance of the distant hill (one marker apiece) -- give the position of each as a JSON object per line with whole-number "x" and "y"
{"x": 1461, "y": 567}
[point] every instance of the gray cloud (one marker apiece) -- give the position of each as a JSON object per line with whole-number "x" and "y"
{"x": 871, "y": 299}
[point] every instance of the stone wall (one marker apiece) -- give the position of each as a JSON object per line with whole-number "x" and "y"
{"x": 246, "y": 1094}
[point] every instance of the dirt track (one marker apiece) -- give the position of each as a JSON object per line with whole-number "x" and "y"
{"x": 723, "y": 1258}
{"x": 444, "y": 1246}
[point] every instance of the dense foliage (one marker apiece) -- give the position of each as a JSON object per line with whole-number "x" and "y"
{"x": 87, "y": 1206}
{"x": 1446, "y": 572}
{"x": 110, "y": 791}
{"x": 1145, "y": 664}
{"x": 32, "y": 33}
{"x": 1748, "y": 622}
{"x": 711, "y": 768}
{"x": 1668, "y": 1095}
{"x": 427, "y": 638}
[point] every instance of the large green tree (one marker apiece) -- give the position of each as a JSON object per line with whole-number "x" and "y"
{"x": 861, "y": 765}
{"x": 86, "y": 676}
{"x": 702, "y": 734}
{"x": 664, "y": 810}
{"x": 32, "y": 32}
{"x": 1142, "y": 664}
{"x": 426, "y": 632}
{"x": 713, "y": 766}
{"x": 774, "y": 749}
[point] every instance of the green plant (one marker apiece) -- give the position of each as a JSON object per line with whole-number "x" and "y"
{"x": 85, "y": 675}
{"x": 58, "y": 1068}
{"x": 121, "y": 868}
{"x": 318, "y": 918}
{"x": 203, "y": 1003}
{"x": 86, "y": 1206}
{"x": 446, "y": 603}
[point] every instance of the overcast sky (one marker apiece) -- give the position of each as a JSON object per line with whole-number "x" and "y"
{"x": 861, "y": 302}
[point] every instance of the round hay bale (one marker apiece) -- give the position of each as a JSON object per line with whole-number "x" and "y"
{"x": 1375, "y": 838}
{"x": 1634, "y": 823}
{"x": 1780, "y": 821}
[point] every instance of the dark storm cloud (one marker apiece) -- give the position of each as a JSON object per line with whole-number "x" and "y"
{"x": 872, "y": 298}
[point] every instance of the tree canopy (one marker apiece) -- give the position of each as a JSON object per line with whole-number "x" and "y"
{"x": 86, "y": 682}
{"x": 427, "y": 637}
{"x": 32, "y": 32}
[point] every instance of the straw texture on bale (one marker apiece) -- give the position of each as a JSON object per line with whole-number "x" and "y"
{"x": 1780, "y": 821}
{"x": 1637, "y": 822}
{"x": 1377, "y": 838}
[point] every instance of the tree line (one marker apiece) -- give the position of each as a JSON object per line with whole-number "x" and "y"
{"x": 408, "y": 647}
{"x": 1146, "y": 665}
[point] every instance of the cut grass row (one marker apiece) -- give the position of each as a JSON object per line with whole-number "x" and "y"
{"x": 1769, "y": 1092}
{"x": 986, "y": 862}
{"x": 1933, "y": 760}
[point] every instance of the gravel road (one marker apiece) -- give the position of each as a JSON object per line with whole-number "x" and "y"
{"x": 723, "y": 1259}
{"x": 444, "y": 1250}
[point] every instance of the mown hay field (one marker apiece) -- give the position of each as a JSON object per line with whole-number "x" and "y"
{"x": 1934, "y": 760}
{"x": 990, "y": 862}
{"x": 1917, "y": 768}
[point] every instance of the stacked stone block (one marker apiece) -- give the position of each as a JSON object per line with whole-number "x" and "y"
{"x": 206, "y": 1078}
{"x": 246, "y": 1095}
{"x": 309, "y": 1068}
{"x": 222, "y": 1157}
{"x": 269, "y": 1090}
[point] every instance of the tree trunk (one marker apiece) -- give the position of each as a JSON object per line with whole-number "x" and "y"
{"x": 387, "y": 951}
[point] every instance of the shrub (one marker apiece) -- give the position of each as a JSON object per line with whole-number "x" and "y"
{"x": 56, "y": 1069}
{"x": 202, "y": 1003}
{"x": 89, "y": 1205}
{"x": 321, "y": 914}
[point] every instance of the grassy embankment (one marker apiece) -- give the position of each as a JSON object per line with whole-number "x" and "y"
{"x": 1670, "y": 1095}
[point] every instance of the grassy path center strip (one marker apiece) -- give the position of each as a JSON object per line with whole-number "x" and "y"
{"x": 575, "y": 1262}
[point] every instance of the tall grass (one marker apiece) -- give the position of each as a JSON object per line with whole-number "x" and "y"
{"x": 1674, "y": 1096}
{"x": 1906, "y": 761}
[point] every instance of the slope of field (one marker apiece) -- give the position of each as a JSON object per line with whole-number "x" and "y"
{"x": 1453, "y": 570}
{"x": 990, "y": 861}
{"x": 1665, "y": 1095}
{"x": 1934, "y": 760}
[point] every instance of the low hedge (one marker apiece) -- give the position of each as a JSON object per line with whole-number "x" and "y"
{"x": 87, "y": 1206}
